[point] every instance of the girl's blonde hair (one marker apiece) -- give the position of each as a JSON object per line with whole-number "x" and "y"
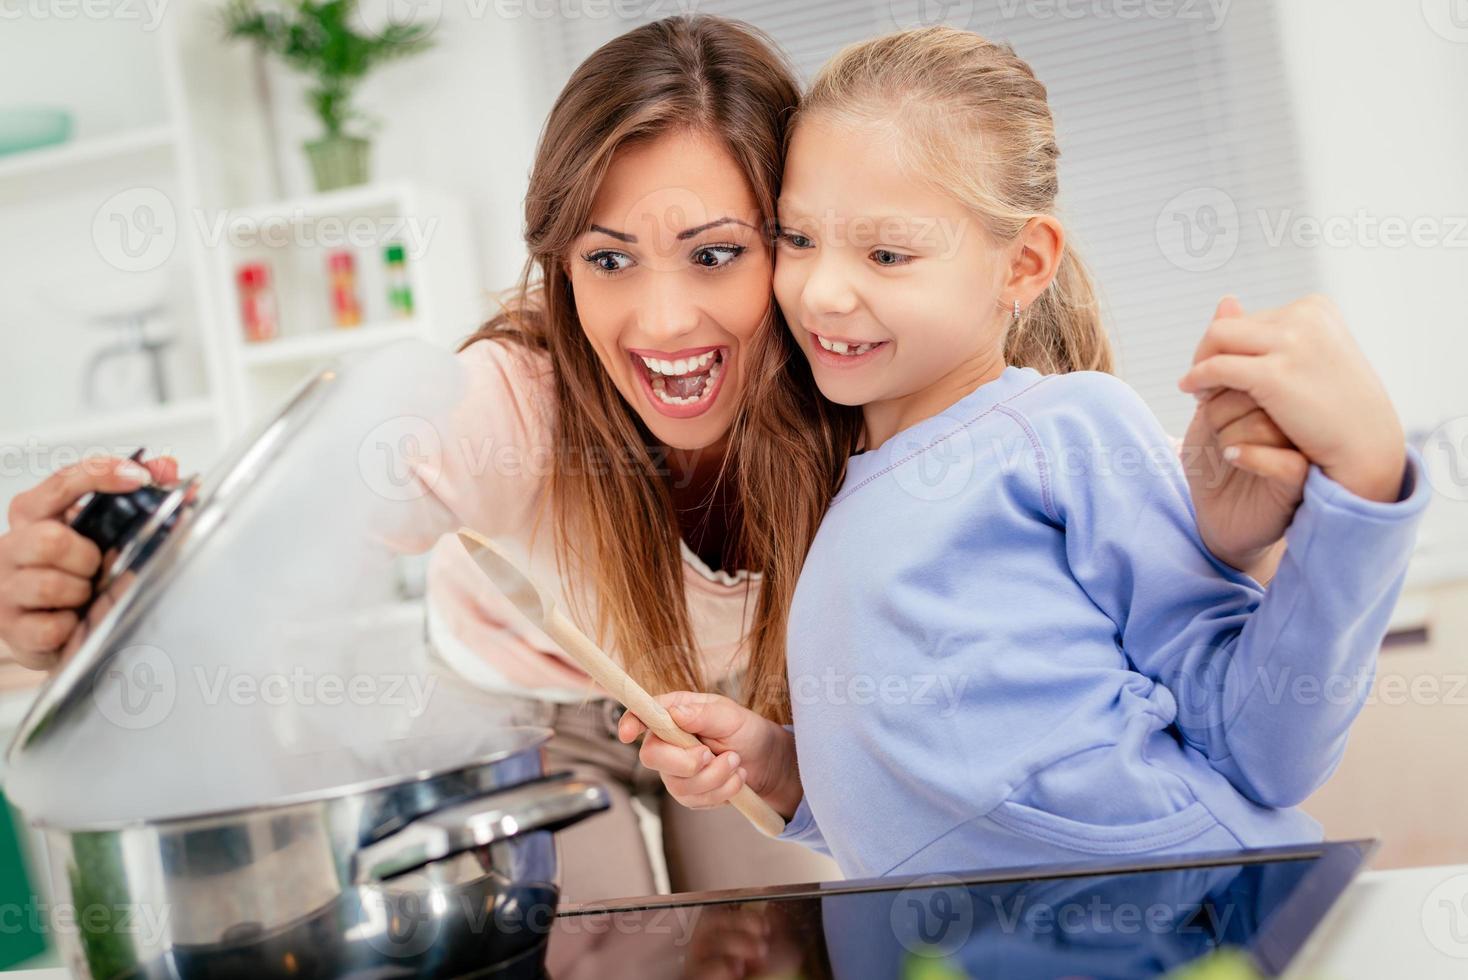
{"x": 975, "y": 121}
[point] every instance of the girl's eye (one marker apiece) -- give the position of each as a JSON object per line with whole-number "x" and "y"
{"x": 608, "y": 262}
{"x": 883, "y": 256}
{"x": 717, "y": 256}
{"x": 795, "y": 239}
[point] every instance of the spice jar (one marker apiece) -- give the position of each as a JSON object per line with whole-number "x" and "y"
{"x": 399, "y": 289}
{"x": 346, "y": 311}
{"x": 257, "y": 302}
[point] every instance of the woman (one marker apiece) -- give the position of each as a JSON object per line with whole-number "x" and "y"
{"x": 603, "y": 441}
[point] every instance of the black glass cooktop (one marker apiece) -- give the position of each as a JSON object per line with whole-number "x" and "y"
{"x": 1228, "y": 915}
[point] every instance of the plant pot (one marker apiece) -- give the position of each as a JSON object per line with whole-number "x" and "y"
{"x": 338, "y": 161}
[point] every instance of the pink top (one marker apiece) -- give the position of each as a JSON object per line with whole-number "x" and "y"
{"x": 492, "y": 475}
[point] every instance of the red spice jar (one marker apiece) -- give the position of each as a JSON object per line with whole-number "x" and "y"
{"x": 257, "y": 302}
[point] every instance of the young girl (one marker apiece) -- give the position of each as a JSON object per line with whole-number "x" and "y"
{"x": 1009, "y": 644}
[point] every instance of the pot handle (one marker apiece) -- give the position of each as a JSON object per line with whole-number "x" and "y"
{"x": 542, "y": 805}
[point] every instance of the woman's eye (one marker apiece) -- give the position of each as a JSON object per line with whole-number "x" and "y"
{"x": 608, "y": 261}
{"x": 883, "y": 256}
{"x": 796, "y": 240}
{"x": 717, "y": 256}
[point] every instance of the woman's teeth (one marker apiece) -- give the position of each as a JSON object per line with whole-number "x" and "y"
{"x": 841, "y": 347}
{"x": 684, "y": 366}
{"x": 686, "y": 381}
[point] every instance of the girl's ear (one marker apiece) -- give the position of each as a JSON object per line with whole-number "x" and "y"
{"x": 1040, "y": 246}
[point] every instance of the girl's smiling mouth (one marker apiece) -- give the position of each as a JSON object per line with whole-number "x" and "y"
{"x": 681, "y": 385}
{"x": 840, "y": 353}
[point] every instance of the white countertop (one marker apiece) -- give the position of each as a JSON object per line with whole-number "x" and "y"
{"x": 1410, "y": 922}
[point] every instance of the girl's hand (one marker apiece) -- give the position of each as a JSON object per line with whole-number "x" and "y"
{"x": 1244, "y": 504}
{"x": 739, "y": 747}
{"x": 1303, "y": 368}
{"x": 46, "y": 568}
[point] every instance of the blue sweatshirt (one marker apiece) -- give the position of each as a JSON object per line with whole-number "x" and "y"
{"x": 1010, "y": 646}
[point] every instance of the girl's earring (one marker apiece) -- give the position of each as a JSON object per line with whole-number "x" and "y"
{"x": 1016, "y": 311}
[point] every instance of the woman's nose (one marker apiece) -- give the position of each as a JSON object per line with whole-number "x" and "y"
{"x": 669, "y": 308}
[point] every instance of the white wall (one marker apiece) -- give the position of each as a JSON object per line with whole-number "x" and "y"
{"x": 1379, "y": 93}
{"x": 86, "y": 64}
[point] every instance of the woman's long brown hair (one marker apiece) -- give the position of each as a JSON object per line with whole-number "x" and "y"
{"x": 614, "y": 519}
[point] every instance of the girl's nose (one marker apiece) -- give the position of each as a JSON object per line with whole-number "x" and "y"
{"x": 828, "y": 291}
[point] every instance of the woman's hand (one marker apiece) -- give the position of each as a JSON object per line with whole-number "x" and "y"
{"x": 1277, "y": 391}
{"x": 1304, "y": 369}
{"x": 739, "y": 747}
{"x": 46, "y": 568}
{"x": 1244, "y": 503}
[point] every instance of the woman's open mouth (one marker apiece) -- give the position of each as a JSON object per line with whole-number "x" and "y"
{"x": 684, "y": 385}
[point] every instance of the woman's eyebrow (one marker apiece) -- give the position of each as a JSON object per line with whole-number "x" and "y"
{"x": 690, "y": 232}
{"x": 683, "y": 235}
{"x": 621, "y": 236}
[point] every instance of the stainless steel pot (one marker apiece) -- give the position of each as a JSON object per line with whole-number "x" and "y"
{"x": 441, "y": 875}
{"x": 165, "y": 861}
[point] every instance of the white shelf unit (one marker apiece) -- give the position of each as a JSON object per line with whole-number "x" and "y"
{"x": 294, "y": 239}
{"x": 136, "y": 135}
{"x": 121, "y": 427}
{"x": 324, "y": 344}
{"x": 72, "y": 163}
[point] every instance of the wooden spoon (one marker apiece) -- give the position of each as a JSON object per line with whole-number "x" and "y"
{"x": 541, "y": 610}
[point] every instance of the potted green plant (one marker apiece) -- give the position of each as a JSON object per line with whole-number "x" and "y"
{"x": 323, "y": 40}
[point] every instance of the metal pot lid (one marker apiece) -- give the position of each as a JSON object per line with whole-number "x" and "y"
{"x": 517, "y": 740}
{"x": 168, "y": 529}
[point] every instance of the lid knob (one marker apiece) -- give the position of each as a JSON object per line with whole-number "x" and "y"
{"x": 111, "y": 520}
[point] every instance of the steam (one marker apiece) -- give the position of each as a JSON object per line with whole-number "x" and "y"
{"x": 269, "y": 669}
